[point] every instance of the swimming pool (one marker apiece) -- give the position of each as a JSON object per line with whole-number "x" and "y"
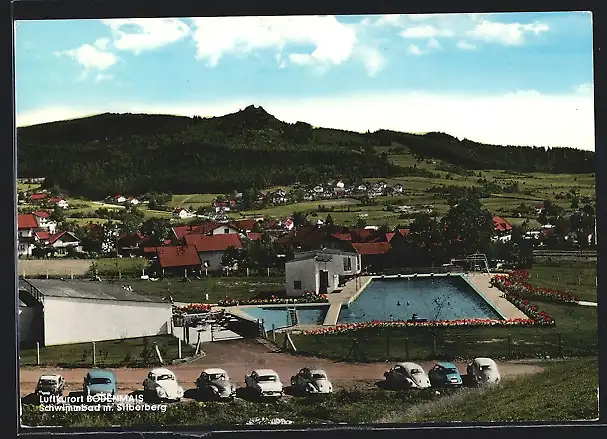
{"x": 280, "y": 318}
{"x": 431, "y": 298}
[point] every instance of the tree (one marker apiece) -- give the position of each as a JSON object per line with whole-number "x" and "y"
{"x": 231, "y": 257}
{"x": 329, "y": 220}
{"x": 57, "y": 215}
{"x": 299, "y": 219}
{"x": 468, "y": 227}
{"x": 132, "y": 219}
{"x": 361, "y": 223}
{"x": 158, "y": 229}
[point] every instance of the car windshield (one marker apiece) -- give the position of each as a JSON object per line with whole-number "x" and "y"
{"x": 318, "y": 376}
{"x": 217, "y": 376}
{"x": 266, "y": 378}
{"x": 416, "y": 372}
{"x": 450, "y": 370}
{"x": 102, "y": 380}
{"x": 47, "y": 382}
{"x": 486, "y": 367}
{"x": 165, "y": 377}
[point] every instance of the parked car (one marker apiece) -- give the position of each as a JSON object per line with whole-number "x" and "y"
{"x": 445, "y": 374}
{"x": 99, "y": 381}
{"x": 311, "y": 381}
{"x": 50, "y": 385}
{"x": 483, "y": 370}
{"x": 215, "y": 383}
{"x": 407, "y": 375}
{"x": 264, "y": 382}
{"x": 161, "y": 385}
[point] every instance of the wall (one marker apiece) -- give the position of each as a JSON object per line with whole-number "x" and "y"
{"x": 221, "y": 230}
{"x": 305, "y": 271}
{"x": 30, "y": 324}
{"x": 70, "y": 320}
{"x": 214, "y": 259}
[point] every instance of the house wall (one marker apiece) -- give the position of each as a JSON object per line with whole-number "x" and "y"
{"x": 71, "y": 320}
{"x": 24, "y": 249}
{"x": 214, "y": 259}
{"x": 30, "y": 325}
{"x": 222, "y": 230}
{"x": 305, "y": 271}
{"x": 337, "y": 265}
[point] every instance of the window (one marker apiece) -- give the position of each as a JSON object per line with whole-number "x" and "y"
{"x": 206, "y": 264}
{"x": 297, "y": 285}
{"x": 226, "y": 230}
{"x": 347, "y": 264}
{"x": 357, "y": 263}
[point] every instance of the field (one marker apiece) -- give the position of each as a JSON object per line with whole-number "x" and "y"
{"x": 579, "y": 277}
{"x": 114, "y": 353}
{"x": 565, "y": 391}
{"x": 112, "y": 267}
{"x": 217, "y": 288}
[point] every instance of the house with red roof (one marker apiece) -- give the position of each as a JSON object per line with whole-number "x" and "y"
{"x": 59, "y": 202}
{"x": 501, "y": 225}
{"x": 373, "y": 255}
{"x": 38, "y": 197}
{"x": 63, "y": 243}
{"x": 27, "y": 226}
{"x": 254, "y": 236}
{"x": 246, "y": 225}
{"x": 44, "y": 221}
{"x": 211, "y": 248}
{"x": 182, "y": 259}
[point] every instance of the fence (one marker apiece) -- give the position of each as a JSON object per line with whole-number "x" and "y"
{"x": 390, "y": 344}
{"x": 564, "y": 255}
{"x": 422, "y": 270}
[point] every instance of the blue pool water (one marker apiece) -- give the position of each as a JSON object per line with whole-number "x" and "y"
{"x": 437, "y": 298}
{"x": 306, "y": 315}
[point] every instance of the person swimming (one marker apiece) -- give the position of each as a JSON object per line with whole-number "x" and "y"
{"x": 398, "y": 303}
{"x": 414, "y": 317}
{"x": 408, "y": 303}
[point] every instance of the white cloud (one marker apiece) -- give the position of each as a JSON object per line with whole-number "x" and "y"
{"x": 425, "y": 31}
{"x": 373, "y": 60}
{"x": 585, "y": 89}
{"x": 140, "y": 34}
{"x": 415, "y": 50}
{"x": 518, "y": 118}
{"x": 91, "y": 57}
{"x": 433, "y": 44}
{"x": 333, "y": 42}
{"x": 464, "y": 45}
{"x": 505, "y": 33}
{"x": 101, "y": 77}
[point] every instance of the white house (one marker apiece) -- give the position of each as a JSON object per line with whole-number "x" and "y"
{"x": 63, "y": 241}
{"x": 224, "y": 229}
{"x": 181, "y": 213}
{"x": 27, "y": 225}
{"x": 118, "y": 198}
{"x": 44, "y": 221}
{"x": 319, "y": 189}
{"x": 59, "y": 202}
{"x": 339, "y": 184}
{"x": 134, "y": 201}
{"x": 398, "y": 188}
{"x": 71, "y": 311}
{"x": 320, "y": 271}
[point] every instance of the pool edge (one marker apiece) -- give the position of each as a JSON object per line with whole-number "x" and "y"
{"x": 476, "y": 290}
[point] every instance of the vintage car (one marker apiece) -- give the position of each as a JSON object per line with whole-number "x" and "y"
{"x": 50, "y": 385}
{"x": 445, "y": 374}
{"x": 483, "y": 371}
{"x": 161, "y": 385}
{"x": 99, "y": 381}
{"x": 407, "y": 375}
{"x": 264, "y": 382}
{"x": 215, "y": 383}
{"x": 311, "y": 381}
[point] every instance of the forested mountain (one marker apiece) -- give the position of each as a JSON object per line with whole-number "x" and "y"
{"x": 135, "y": 153}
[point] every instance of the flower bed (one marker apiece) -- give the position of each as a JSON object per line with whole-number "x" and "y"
{"x": 192, "y": 308}
{"x": 433, "y": 324}
{"x": 307, "y": 297}
{"x": 515, "y": 284}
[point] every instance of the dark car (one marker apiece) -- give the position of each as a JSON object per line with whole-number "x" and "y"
{"x": 215, "y": 384}
{"x": 445, "y": 374}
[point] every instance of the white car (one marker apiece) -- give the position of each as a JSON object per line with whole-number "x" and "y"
{"x": 161, "y": 385}
{"x": 408, "y": 375}
{"x": 483, "y": 371}
{"x": 264, "y": 382}
{"x": 311, "y": 381}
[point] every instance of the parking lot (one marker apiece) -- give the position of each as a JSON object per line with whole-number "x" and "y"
{"x": 239, "y": 357}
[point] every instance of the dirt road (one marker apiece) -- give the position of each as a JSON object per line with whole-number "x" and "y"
{"x": 239, "y": 357}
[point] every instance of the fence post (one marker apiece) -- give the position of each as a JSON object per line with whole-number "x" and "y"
{"x": 37, "y": 353}
{"x": 179, "y": 348}
{"x": 94, "y": 355}
{"x": 274, "y": 333}
{"x": 509, "y": 346}
{"x": 560, "y": 345}
{"x": 407, "y": 348}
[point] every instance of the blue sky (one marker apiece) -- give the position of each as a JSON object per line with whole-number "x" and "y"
{"x": 501, "y": 78}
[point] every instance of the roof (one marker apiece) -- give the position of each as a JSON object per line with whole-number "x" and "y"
{"x": 56, "y": 199}
{"x": 362, "y": 235}
{"x": 43, "y": 236}
{"x": 50, "y": 377}
{"x": 342, "y": 236}
{"x": 162, "y": 371}
{"x": 27, "y": 221}
{"x": 41, "y": 214}
{"x": 55, "y": 237}
{"x": 403, "y": 232}
{"x": 85, "y": 289}
{"x": 409, "y": 365}
{"x": 501, "y": 224}
{"x": 254, "y": 236}
{"x": 262, "y": 372}
{"x": 372, "y": 248}
{"x": 389, "y": 236}
{"x": 101, "y": 373}
{"x": 300, "y": 256}
{"x": 37, "y": 196}
{"x": 318, "y": 371}
{"x": 446, "y": 364}
{"x": 178, "y": 256}
{"x": 485, "y": 361}
{"x": 214, "y": 370}
{"x": 213, "y": 243}
{"x": 200, "y": 229}
{"x": 245, "y": 224}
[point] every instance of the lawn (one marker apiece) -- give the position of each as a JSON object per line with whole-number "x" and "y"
{"x": 564, "y": 391}
{"x": 185, "y": 200}
{"x": 130, "y": 352}
{"x": 577, "y": 277}
{"x": 217, "y": 288}
{"x": 304, "y": 206}
{"x": 114, "y": 267}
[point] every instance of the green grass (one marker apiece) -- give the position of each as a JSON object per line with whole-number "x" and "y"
{"x": 216, "y": 287}
{"x": 351, "y": 407}
{"x": 22, "y": 187}
{"x": 123, "y": 266}
{"x": 577, "y": 277}
{"x": 563, "y": 392}
{"x": 304, "y": 206}
{"x": 195, "y": 200}
{"x": 111, "y": 353}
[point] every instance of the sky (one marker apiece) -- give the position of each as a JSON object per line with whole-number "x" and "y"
{"x": 506, "y": 79}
